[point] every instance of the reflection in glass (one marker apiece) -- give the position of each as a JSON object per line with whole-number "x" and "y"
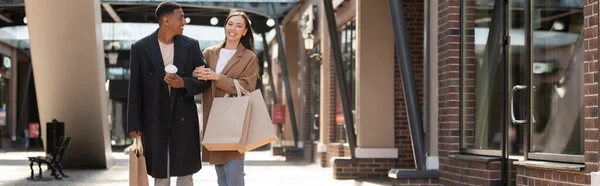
{"x": 558, "y": 72}
{"x": 348, "y": 46}
{"x": 482, "y": 76}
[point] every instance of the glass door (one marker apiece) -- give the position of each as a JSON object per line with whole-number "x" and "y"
{"x": 556, "y": 49}
{"x": 491, "y": 70}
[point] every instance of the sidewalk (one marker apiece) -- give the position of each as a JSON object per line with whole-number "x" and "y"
{"x": 261, "y": 169}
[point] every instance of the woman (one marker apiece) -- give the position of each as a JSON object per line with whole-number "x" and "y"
{"x": 233, "y": 59}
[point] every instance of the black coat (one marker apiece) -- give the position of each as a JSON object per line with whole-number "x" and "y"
{"x": 161, "y": 118}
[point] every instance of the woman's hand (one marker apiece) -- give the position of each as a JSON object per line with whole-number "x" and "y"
{"x": 205, "y": 74}
{"x": 197, "y": 72}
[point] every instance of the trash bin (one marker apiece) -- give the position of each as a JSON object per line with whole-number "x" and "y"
{"x": 54, "y": 131}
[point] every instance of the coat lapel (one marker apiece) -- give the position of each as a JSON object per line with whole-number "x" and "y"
{"x": 234, "y": 59}
{"x": 180, "y": 54}
{"x": 153, "y": 52}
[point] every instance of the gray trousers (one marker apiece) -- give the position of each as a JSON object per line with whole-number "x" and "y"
{"x": 231, "y": 173}
{"x": 181, "y": 181}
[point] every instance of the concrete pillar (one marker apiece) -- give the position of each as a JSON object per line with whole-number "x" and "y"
{"x": 70, "y": 79}
{"x": 375, "y": 81}
{"x": 291, "y": 44}
{"x": 432, "y": 98}
{"x": 119, "y": 126}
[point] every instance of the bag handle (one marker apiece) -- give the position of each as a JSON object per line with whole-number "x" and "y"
{"x": 139, "y": 148}
{"x": 242, "y": 89}
{"x": 238, "y": 88}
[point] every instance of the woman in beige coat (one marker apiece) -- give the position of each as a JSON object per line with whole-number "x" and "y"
{"x": 235, "y": 58}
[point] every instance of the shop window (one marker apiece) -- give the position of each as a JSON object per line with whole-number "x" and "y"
{"x": 348, "y": 39}
{"x": 554, "y": 75}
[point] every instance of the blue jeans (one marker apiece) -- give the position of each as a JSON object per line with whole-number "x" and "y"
{"x": 231, "y": 173}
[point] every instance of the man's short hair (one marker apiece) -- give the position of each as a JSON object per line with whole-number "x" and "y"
{"x": 165, "y": 8}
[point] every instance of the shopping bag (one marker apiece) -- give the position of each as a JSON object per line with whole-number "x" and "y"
{"x": 138, "y": 175}
{"x": 261, "y": 130}
{"x": 227, "y": 125}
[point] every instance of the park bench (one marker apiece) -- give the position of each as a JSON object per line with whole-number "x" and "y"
{"x": 53, "y": 160}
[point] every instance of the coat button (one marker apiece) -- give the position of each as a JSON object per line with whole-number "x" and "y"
{"x": 155, "y": 99}
{"x": 151, "y": 73}
{"x": 182, "y": 119}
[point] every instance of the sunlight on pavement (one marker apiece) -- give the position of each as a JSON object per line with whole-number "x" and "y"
{"x": 262, "y": 169}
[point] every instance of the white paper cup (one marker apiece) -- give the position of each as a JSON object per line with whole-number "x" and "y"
{"x": 170, "y": 69}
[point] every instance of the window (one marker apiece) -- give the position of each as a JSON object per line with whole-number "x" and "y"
{"x": 554, "y": 75}
{"x": 348, "y": 39}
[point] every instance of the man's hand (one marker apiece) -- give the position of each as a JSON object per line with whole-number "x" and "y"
{"x": 135, "y": 134}
{"x": 173, "y": 80}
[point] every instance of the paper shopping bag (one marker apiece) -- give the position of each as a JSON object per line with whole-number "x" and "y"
{"x": 227, "y": 125}
{"x": 138, "y": 175}
{"x": 260, "y": 130}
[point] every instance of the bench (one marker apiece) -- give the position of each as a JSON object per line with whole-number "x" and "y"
{"x": 53, "y": 161}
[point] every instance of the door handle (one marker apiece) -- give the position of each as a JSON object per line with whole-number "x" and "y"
{"x": 512, "y": 103}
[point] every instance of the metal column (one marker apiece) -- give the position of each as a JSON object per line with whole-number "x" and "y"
{"x": 408, "y": 80}
{"x": 285, "y": 77}
{"x": 505, "y": 167}
{"x": 269, "y": 68}
{"x": 339, "y": 73}
{"x": 22, "y": 120}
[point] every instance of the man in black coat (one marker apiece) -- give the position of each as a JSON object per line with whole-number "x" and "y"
{"x": 166, "y": 120}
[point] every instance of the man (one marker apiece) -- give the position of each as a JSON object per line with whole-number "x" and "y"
{"x": 166, "y": 120}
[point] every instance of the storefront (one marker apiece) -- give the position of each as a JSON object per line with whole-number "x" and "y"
{"x": 517, "y": 91}
{"x": 509, "y": 94}
{"x": 374, "y": 87}
{"x": 4, "y": 93}
{"x": 10, "y": 131}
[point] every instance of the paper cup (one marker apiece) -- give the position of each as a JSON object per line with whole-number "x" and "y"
{"x": 170, "y": 69}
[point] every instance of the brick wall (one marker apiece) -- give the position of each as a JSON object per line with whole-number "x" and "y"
{"x": 309, "y": 150}
{"x": 532, "y": 176}
{"x": 470, "y": 65}
{"x": 331, "y": 132}
{"x": 294, "y": 154}
{"x": 337, "y": 130}
{"x": 590, "y": 14}
{"x": 475, "y": 172}
{"x": 322, "y": 159}
{"x": 416, "y": 182}
{"x": 448, "y": 70}
{"x": 307, "y": 95}
{"x": 453, "y": 171}
{"x": 414, "y": 13}
{"x": 305, "y": 105}
{"x": 336, "y": 150}
{"x": 378, "y": 168}
{"x": 364, "y": 168}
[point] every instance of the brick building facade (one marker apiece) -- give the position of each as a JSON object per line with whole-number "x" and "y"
{"x": 462, "y": 103}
